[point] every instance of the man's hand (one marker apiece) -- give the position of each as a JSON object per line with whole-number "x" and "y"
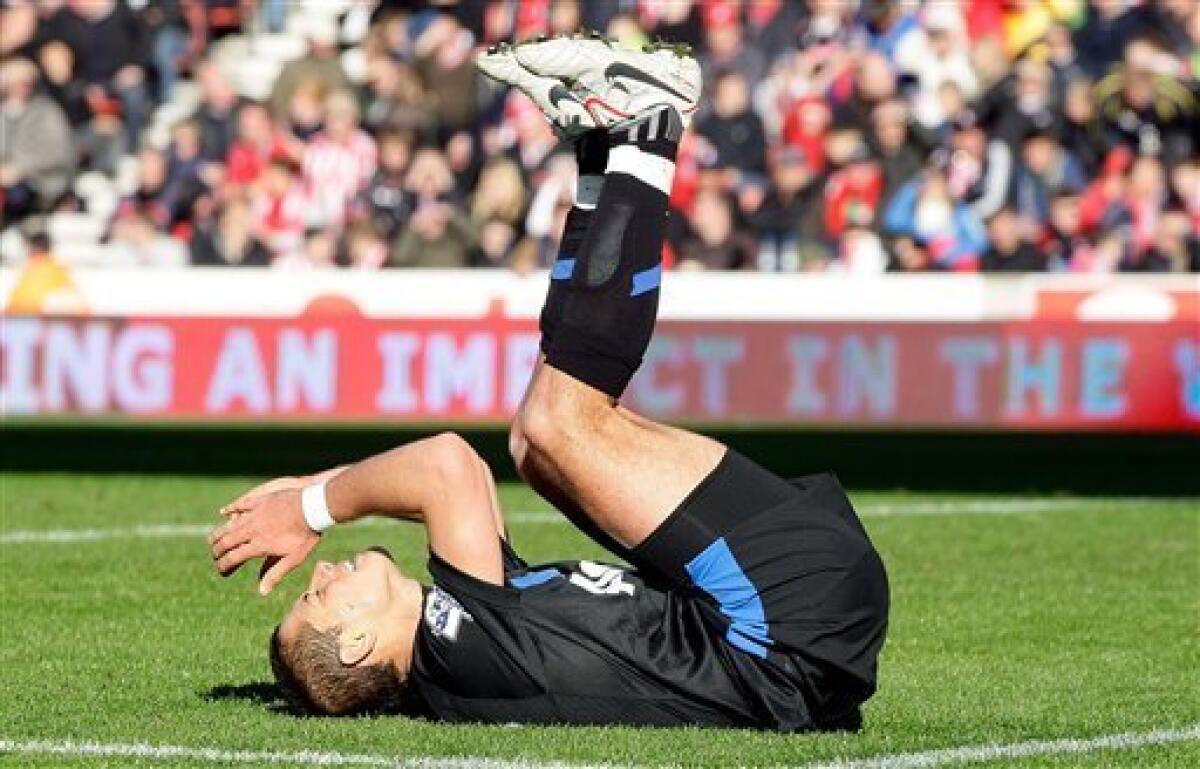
{"x": 242, "y": 503}
{"x": 271, "y": 527}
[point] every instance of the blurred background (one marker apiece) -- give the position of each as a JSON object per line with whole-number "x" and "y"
{"x": 212, "y": 211}
{"x": 860, "y": 136}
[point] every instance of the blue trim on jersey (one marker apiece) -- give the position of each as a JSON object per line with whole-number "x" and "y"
{"x": 646, "y": 280}
{"x": 716, "y": 572}
{"x": 563, "y": 269}
{"x": 533, "y": 578}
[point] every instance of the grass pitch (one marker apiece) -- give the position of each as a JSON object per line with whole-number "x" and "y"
{"x": 1014, "y": 620}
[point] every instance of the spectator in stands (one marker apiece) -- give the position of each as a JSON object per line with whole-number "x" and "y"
{"x": 854, "y": 187}
{"x": 438, "y": 233}
{"x": 887, "y": 24}
{"x": 149, "y": 199}
{"x": 318, "y": 251}
{"x": 188, "y": 174}
{"x": 1144, "y": 106}
{"x": 257, "y": 142}
{"x": 1064, "y": 238}
{"x": 231, "y": 242}
{"x": 444, "y": 50}
{"x": 1009, "y": 250}
{"x": 874, "y": 84}
{"x": 305, "y": 116}
{"x": 385, "y": 202}
{"x": 497, "y": 208}
{"x": 1145, "y": 198}
{"x": 1028, "y": 21}
{"x": 217, "y": 114}
{"x": 319, "y": 70}
{"x": 1081, "y": 132}
{"x": 789, "y": 221}
{"x": 533, "y": 141}
{"x": 95, "y": 136}
{"x": 109, "y": 47}
{"x": 1185, "y": 188}
{"x": 339, "y": 162}
{"x": 18, "y": 27}
{"x": 43, "y": 285}
{"x": 771, "y": 26}
{"x": 725, "y": 51}
{"x": 395, "y": 98}
{"x": 733, "y": 128}
{"x": 716, "y": 242}
{"x": 1176, "y": 248}
{"x": 548, "y": 211}
{"x": 1020, "y": 104}
{"x": 1086, "y": 130}
{"x": 178, "y": 32}
{"x": 566, "y": 16}
{"x": 365, "y": 247}
{"x": 278, "y": 207}
{"x": 901, "y": 146}
{"x": 979, "y": 168}
{"x": 1102, "y": 204}
{"x": 36, "y": 160}
{"x": 1046, "y": 171}
{"x": 138, "y": 241}
{"x": 1108, "y": 28}
{"x": 936, "y": 54}
{"x": 925, "y": 212}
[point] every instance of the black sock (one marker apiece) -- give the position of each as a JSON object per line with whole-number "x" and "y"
{"x": 591, "y": 153}
{"x": 611, "y": 302}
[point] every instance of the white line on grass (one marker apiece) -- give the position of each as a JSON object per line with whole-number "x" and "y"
{"x": 996, "y": 752}
{"x": 932, "y": 758}
{"x": 1020, "y": 506}
{"x": 303, "y": 758}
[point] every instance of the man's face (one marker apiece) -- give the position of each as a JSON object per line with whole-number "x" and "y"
{"x": 360, "y": 596}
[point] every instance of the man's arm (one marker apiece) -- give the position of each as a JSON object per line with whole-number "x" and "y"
{"x": 438, "y": 481}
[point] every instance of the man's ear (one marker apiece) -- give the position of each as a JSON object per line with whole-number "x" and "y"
{"x": 355, "y": 644}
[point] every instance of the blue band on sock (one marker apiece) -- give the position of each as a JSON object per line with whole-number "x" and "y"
{"x": 562, "y": 269}
{"x": 646, "y": 280}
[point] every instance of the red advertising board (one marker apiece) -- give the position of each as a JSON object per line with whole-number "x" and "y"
{"x": 1010, "y": 375}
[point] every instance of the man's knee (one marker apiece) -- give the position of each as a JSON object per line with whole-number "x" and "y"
{"x": 547, "y": 421}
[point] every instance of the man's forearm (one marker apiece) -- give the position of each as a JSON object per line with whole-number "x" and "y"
{"x": 438, "y": 481}
{"x": 394, "y": 484}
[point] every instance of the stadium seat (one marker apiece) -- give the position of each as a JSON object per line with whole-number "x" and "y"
{"x": 279, "y": 47}
{"x": 98, "y": 194}
{"x": 12, "y": 247}
{"x": 253, "y": 77}
{"x": 74, "y": 228}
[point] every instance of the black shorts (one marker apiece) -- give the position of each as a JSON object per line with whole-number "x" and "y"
{"x": 790, "y": 575}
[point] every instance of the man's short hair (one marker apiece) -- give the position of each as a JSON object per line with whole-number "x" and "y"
{"x": 314, "y": 681}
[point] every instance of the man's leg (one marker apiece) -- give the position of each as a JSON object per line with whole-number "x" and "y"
{"x": 574, "y": 443}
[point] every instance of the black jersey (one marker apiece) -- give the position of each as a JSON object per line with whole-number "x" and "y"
{"x": 774, "y": 619}
{"x": 573, "y": 643}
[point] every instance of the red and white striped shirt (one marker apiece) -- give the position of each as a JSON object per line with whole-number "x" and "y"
{"x": 334, "y": 172}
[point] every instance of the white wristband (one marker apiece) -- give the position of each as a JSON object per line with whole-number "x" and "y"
{"x": 316, "y": 509}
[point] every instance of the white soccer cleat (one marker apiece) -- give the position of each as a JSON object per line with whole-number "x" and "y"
{"x": 564, "y": 110}
{"x": 615, "y": 82}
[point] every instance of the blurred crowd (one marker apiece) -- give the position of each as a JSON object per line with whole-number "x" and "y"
{"x": 852, "y": 135}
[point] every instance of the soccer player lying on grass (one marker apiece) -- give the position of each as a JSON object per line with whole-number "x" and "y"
{"x": 754, "y": 601}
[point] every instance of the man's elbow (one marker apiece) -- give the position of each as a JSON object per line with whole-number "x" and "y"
{"x": 452, "y": 463}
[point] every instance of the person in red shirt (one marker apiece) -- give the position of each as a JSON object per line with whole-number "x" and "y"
{"x": 852, "y": 193}
{"x": 257, "y": 142}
